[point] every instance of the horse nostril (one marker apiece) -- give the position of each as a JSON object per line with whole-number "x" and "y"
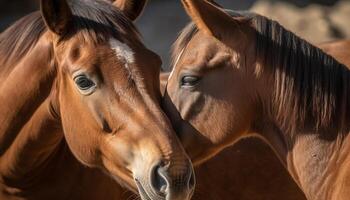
{"x": 159, "y": 181}
{"x": 192, "y": 181}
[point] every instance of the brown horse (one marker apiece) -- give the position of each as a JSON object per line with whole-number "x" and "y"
{"x": 79, "y": 86}
{"x": 241, "y": 75}
{"x": 255, "y": 173}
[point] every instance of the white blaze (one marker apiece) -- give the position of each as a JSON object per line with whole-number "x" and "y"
{"x": 122, "y": 51}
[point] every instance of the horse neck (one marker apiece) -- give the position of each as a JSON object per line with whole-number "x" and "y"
{"x": 313, "y": 155}
{"x": 29, "y": 132}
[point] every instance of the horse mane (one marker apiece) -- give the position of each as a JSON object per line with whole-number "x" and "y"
{"x": 310, "y": 86}
{"x": 95, "y": 20}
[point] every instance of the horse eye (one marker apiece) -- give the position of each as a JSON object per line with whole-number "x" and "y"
{"x": 84, "y": 83}
{"x": 189, "y": 81}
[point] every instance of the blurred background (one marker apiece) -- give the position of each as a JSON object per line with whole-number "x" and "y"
{"x": 315, "y": 20}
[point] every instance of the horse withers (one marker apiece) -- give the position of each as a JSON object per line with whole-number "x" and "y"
{"x": 237, "y": 75}
{"x": 79, "y": 85}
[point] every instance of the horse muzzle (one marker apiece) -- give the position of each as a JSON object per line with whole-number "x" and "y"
{"x": 162, "y": 186}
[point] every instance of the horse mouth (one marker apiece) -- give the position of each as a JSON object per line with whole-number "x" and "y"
{"x": 142, "y": 191}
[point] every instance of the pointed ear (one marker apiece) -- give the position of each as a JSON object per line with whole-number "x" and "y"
{"x": 214, "y": 3}
{"x": 57, "y": 15}
{"x": 208, "y": 17}
{"x": 131, "y": 8}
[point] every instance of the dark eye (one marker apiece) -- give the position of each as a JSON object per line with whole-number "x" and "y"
{"x": 189, "y": 81}
{"x": 84, "y": 83}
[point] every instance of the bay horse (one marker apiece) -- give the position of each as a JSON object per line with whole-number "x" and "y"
{"x": 255, "y": 172}
{"x": 238, "y": 75}
{"x": 80, "y": 97}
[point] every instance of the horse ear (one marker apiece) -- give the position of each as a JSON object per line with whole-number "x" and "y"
{"x": 209, "y": 17}
{"x": 214, "y": 3}
{"x": 131, "y": 8}
{"x": 57, "y": 15}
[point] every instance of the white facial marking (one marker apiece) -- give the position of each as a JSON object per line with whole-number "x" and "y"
{"x": 176, "y": 61}
{"x": 122, "y": 51}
